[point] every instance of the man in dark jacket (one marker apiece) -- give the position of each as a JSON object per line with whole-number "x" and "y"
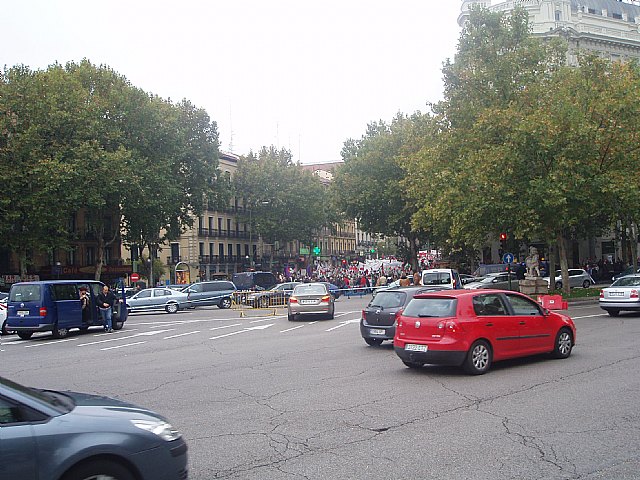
{"x": 106, "y": 301}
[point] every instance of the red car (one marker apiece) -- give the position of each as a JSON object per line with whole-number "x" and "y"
{"x": 474, "y": 328}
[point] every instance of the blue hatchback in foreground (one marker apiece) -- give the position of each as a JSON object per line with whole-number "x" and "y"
{"x": 50, "y": 435}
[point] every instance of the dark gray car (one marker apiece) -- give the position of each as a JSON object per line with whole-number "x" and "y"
{"x": 217, "y": 292}
{"x": 378, "y": 321}
{"x": 50, "y": 435}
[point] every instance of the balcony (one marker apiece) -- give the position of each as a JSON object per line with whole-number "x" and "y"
{"x": 173, "y": 260}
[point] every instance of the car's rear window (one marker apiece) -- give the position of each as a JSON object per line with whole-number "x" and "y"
{"x": 434, "y": 278}
{"x": 25, "y": 293}
{"x": 388, "y": 299}
{"x": 627, "y": 282}
{"x": 431, "y": 307}
{"x": 310, "y": 290}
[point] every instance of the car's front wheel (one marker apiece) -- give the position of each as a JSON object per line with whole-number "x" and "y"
{"x": 171, "y": 307}
{"x": 558, "y": 285}
{"x": 479, "y": 358}
{"x": 373, "y": 342}
{"x": 98, "y": 469}
{"x": 564, "y": 344}
{"x": 225, "y": 303}
{"x": 586, "y": 284}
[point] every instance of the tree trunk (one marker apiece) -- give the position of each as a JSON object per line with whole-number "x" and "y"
{"x": 564, "y": 264}
{"x": 100, "y": 252}
{"x": 413, "y": 252}
{"x": 22, "y": 255}
{"x": 634, "y": 244}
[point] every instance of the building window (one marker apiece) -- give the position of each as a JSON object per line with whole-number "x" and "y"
{"x": 71, "y": 256}
{"x": 221, "y": 251}
{"x": 617, "y": 16}
{"x": 238, "y": 250}
{"x": 558, "y": 15}
{"x": 201, "y": 249}
{"x": 230, "y": 250}
{"x": 106, "y": 256}
{"x": 175, "y": 252}
{"x": 212, "y": 250}
{"x": 90, "y": 256}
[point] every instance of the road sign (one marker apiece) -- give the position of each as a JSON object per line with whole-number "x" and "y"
{"x": 134, "y": 277}
{"x": 507, "y": 258}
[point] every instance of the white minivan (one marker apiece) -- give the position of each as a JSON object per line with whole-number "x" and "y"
{"x": 444, "y": 277}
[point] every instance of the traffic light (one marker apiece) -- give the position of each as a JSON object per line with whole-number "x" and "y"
{"x": 316, "y": 251}
{"x": 503, "y": 244}
{"x": 373, "y": 250}
{"x": 503, "y": 237}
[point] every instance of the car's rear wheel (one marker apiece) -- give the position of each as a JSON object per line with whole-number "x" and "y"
{"x": 613, "y": 312}
{"x": 118, "y": 325}
{"x": 98, "y": 470}
{"x": 558, "y": 285}
{"x": 264, "y": 302}
{"x": 291, "y": 317}
{"x": 6, "y": 331}
{"x": 331, "y": 315}
{"x": 413, "y": 364}
{"x": 564, "y": 344}
{"x": 374, "y": 342}
{"x": 172, "y": 307}
{"x": 225, "y": 303}
{"x": 25, "y": 335}
{"x": 479, "y": 358}
{"x": 59, "y": 332}
{"x": 586, "y": 284}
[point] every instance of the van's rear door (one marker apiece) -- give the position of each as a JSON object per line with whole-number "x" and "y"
{"x": 23, "y": 306}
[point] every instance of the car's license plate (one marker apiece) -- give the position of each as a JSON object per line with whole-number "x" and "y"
{"x": 377, "y": 331}
{"x": 411, "y": 347}
{"x": 22, "y": 313}
{"x": 307, "y": 302}
{"x": 616, "y": 294}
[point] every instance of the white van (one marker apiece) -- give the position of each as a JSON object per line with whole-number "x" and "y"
{"x": 447, "y": 277}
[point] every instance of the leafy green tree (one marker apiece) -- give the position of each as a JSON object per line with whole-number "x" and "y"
{"x": 284, "y": 202}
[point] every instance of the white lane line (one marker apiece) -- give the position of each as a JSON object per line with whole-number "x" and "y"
{"x": 248, "y": 329}
{"x": 102, "y": 334}
{"x": 590, "y": 316}
{"x": 266, "y": 319}
{"x": 226, "y": 326}
{"x": 347, "y": 322}
{"x": 315, "y": 321}
{"x": 292, "y": 328}
{"x": 181, "y": 335}
{"x": 113, "y": 339}
{"x": 49, "y": 343}
{"x": 121, "y": 346}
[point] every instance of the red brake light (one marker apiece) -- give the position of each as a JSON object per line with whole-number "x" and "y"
{"x": 634, "y": 294}
{"x": 364, "y": 314}
{"x": 293, "y": 300}
{"x": 601, "y": 293}
{"x": 448, "y": 327}
{"x": 326, "y": 298}
{"x": 43, "y": 311}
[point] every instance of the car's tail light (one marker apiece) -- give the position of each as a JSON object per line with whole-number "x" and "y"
{"x": 364, "y": 314}
{"x": 43, "y": 311}
{"x": 601, "y": 293}
{"x": 326, "y": 299}
{"x": 293, "y": 300}
{"x": 448, "y": 327}
{"x": 634, "y": 294}
{"x": 396, "y": 317}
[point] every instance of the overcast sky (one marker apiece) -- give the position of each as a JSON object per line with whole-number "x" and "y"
{"x": 297, "y": 74}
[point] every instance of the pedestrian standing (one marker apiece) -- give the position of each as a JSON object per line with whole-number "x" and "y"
{"x": 85, "y": 304}
{"x": 106, "y": 301}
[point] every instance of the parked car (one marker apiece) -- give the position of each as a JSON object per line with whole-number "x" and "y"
{"x": 151, "y": 299}
{"x": 441, "y": 277}
{"x": 474, "y": 328}
{"x": 496, "y": 281}
{"x": 52, "y": 435}
{"x": 623, "y": 294}
{"x": 216, "y": 292}
{"x": 311, "y": 299}
{"x": 578, "y": 277}
{"x": 254, "y": 280}
{"x": 278, "y": 295}
{"x": 54, "y": 306}
{"x": 378, "y": 320}
{"x": 627, "y": 271}
{"x": 3, "y": 314}
{"x": 465, "y": 278}
{"x": 333, "y": 290}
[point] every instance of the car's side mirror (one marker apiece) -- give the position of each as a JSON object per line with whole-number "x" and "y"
{"x": 546, "y": 312}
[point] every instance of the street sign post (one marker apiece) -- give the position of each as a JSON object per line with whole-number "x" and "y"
{"x": 508, "y": 259}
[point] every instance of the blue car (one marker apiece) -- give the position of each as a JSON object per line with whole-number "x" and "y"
{"x": 333, "y": 289}
{"x": 50, "y": 435}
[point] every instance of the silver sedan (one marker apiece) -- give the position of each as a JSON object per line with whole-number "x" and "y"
{"x": 158, "y": 299}
{"x": 623, "y": 294}
{"x": 311, "y": 299}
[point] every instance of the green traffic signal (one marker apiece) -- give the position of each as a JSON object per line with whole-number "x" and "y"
{"x": 316, "y": 250}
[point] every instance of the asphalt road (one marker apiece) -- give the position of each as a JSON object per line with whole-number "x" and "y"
{"x": 259, "y": 397}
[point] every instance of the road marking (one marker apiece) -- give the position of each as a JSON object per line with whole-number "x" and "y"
{"x": 49, "y": 343}
{"x": 292, "y": 328}
{"x": 113, "y": 339}
{"x": 121, "y": 346}
{"x": 181, "y": 335}
{"x": 248, "y": 329}
{"x": 590, "y": 316}
{"x": 266, "y": 319}
{"x": 315, "y": 321}
{"x": 226, "y": 326}
{"x": 102, "y": 334}
{"x": 342, "y": 324}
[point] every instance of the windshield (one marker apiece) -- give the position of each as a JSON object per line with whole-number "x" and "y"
{"x": 388, "y": 299}
{"x": 431, "y": 307}
{"x": 56, "y": 400}
{"x": 627, "y": 282}
{"x": 436, "y": 278}
{"x": 316, "y": 289}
